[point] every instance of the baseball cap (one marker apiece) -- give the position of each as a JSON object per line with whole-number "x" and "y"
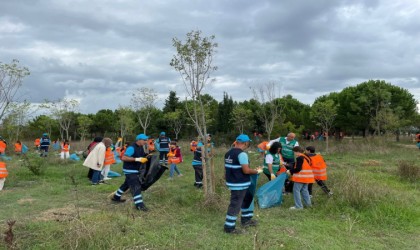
{"x": 141, "y": 137}
{"x": 162, "y": 133}
{"x": 242, "y": 138}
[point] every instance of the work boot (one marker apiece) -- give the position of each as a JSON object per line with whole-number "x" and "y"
{"x": 234, "y": 231}
{"x": 249, "y": 223}
{"x": 142, "y": 207}
{"x": 118, "y": 200}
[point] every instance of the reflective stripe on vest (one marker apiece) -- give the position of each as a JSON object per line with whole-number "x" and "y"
{"x": 319, "y": 167}
{"x": 305, "y": 175}
{"x": 3, "y": 170}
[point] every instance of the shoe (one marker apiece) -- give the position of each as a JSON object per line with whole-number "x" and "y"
{"x": 142, "y": 207}
{"x": 310, "y": 196}
{"x": 330, "y": 194}
{"x": 234, "y": 231}
{"x": 119, "y": 200}
{"x": 101, "y": 181}
{"x": 106, "y": 178}
{"x": 195, "y": 184}
{"x": 180, "y": 175}
{"x": 170, "y": 179}
{"x": 249, "y": 223}
{"x": 295, "y": 208}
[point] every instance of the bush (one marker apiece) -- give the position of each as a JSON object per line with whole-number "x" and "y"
{"x": 34, "y": 163}
{"x": 407, "y": 170}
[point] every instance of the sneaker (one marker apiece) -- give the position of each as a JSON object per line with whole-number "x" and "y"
{"x": 142, "y": 207}
{"x": 119, "y": 200}
{"x": 249, "y": 223}
{"x": 180, "y": 175}
{"x": 295, "y": 208}
{"x": 330, "y": 194}
{"x": 106, "y": 178}
{"x": 234, "y": 231}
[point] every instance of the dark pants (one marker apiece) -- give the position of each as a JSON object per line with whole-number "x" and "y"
{"x": 321, "y": 184}
{"x": 198, "y": 175}
{"x": 163, "y": 157}
{"x": 288, "y": 184}
{"x": 132, "y": 182}
{"x": 240, "y": 200}
{"x": 44, "y": 151}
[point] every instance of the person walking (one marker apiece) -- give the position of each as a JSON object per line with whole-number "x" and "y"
{"x": 319, "y": 169}
{"x": 44, "y": 145}
{"x": 237, "y": 175}
{"x": 162, "y": 145}
{"x": 95, "y": 160}
{"x": 174, "y": 158}
{"x": 134, "y": 168}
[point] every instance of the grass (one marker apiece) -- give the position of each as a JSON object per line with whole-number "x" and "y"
{"x": 374, "y": 207}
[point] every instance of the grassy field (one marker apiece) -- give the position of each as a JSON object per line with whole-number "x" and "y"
{"x": 374, "y": 206}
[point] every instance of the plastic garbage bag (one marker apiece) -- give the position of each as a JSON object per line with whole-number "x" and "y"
{"x": 117, "y": 157}
{"x": 251, "y": 189}
{"x": 153, "y": 173}
{"x": 113, "y": 174}
{"x": 418, "y": 145}
{"x": 270, "y": 194}
{"x": 24, "y": 149}
{"x": 74, "y": 157}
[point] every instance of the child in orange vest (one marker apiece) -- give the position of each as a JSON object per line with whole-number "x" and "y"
{"x": 174, "y": 158}
{"x": 3, "y": 174}
{"x": 65, "y": 150}
{"x": 18, "y": 147}
{"x": 109, "y": 160}
{"x": 302, "y": 175}
{"x": 319, "y": 168}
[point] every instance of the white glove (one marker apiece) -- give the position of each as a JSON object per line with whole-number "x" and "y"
{"x": 141, "y": 159}
{"x": 259, "y": 170}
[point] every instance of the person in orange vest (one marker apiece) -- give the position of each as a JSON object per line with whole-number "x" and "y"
{"x": 3, "y": 146}
{"x": 319, "y": 168}
{"x": 18, "y": 147}
{"x": 262, "y": 147}
{"x": 193, "y": 145}
{"x": 37, "y": 143}
{"x": 302, "y": 175}
{"x": 126, "y": 144}
{"x": 151, "y": 145}
{"x": 65, "y": 150}
{"x": 3, "y": 174}
{"x": 109, "y": 160}
{"x": 174, "y": 158}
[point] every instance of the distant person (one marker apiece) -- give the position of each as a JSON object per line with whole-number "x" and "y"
{"x": 91, "y": 146}
{"x": 65, "y": 150}
{"x": 193, "y": 145}
{"x": 418, "y": 139}
{"x": 174, "y": 158}
{"x": 151, "y": 145}
{"x": 3, "y": 146}
{"x": 302, "y": 176}
{"x": 162, "y": 145}
{"x": 197, "y": 164}
{"x": 237, "y": 175}
{"x": 109, "y": 160}
{"x": 18, "y": 147}
{"x": 3, "y": 174}
{"x": 319, "y": 169}
{"x": 37, "y": 143}
{"x": 44, "y": 145}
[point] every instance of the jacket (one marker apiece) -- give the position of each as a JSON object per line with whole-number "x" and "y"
{"x": 96, "y": 157}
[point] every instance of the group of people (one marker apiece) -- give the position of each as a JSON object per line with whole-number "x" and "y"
{"x": 282, "y": 155}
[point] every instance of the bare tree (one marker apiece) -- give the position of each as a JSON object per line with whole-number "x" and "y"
{"x": 194, "y": 62}
{"x": 125, "y": 120}
{"x": 175, "y": 121}
{"x": 63, "y": 110}
{"x": 267, "y": 95}
{"x": 143, "y": 101}
{"x": 17, "y": 117}
{"x": 11, "y": 77}
{"x": 84, "y": 122}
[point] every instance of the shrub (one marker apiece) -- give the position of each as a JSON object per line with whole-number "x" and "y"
{"x": 34, "y": 163}
{"x": 407, "y": 170}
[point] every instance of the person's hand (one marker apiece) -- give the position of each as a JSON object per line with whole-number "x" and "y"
{"x": 267, "y": 147}
{"x": 273, "y": 176}
{"x": 141, "y": 159}
{"x": 288, "y": 172}
{"x": 259, "y": 170}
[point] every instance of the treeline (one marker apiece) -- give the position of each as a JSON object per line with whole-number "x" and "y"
{"x": 370, "y": 108}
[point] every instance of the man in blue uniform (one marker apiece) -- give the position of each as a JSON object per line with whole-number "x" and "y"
{"x": 238, "y": 181}
{"x": 134, "y": 167}
{"x": 162, "y": 145}
{"x": 44, "y": 145}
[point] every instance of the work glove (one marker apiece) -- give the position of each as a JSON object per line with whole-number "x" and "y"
{"x": 288, "y": 172}
{"x": 259, "y": 170}
{"x": 273, "y": 176}
{"x": 267, "y": 147}
{"x": 141, "y": 159}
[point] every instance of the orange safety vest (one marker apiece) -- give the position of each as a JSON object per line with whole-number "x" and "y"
{"x": 3, "y": 170}
{"x": 263, "y": 145}
{"x": 2, "y": 147}
{"x": 18, "y": 147}
{"x": 151, "y": 145}
{"x": 37, "y": 142}
{"x": 305, "y": 175}
{"x": 193, "y": 146}
{"x": 319, "y": 167}
{"x": 65, "y": 148}
{"x": 109, "y": 157}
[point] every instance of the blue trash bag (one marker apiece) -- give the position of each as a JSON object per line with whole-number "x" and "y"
{"x": 5, "y": 157}
{"x": 117, "y": 157}
{"x": 24, "y": 149}
{"x": 270, "y": 194}
{"x": 113, "y": 174}
{"x": 418, "y": 145}
{"x": 74, "y": 157}
{"x": 56, "y": 146}
{"x": 251, "y": 189}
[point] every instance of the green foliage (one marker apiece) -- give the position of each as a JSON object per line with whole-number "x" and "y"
{"x": 224, "y": 114}
{"x": 171, "y": 103}
{"x": 34, "y": 163}
{"x": 408, "y": 170}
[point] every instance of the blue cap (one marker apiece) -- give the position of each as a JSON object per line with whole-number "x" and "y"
{"x": 242, "y": 138}
{"x": 44, "y": 134}
{"x": 142, "y": 137}
{"x": 162, "y": 133}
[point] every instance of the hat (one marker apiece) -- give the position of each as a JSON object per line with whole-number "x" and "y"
{"x": 142, "y": 137}
{"x": 44, "y": 134}
{"x": 242, "y": 138}
{"x": 311, "y": 149}
{"x": 162, "y": 133}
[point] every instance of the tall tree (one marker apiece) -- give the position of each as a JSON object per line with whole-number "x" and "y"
{"x": 242, "y": 118}
{"x": 194, "y": 61}
{"x": 323, "y": 113}
{"x": 224, "y": 113}
{"x": 11, "y": 77}
{"x": 175, "y": 121}
{"x": 143, "y": 102}
{"x": 125, "y": 121}
{"x": 16, "y": 119}
{"x": 84, "y": 122}
{"x": 171, "y": 103}
{"x": 63, "y": 110}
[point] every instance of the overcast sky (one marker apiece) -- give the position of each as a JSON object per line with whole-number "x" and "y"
{"x": 99, "y": 51}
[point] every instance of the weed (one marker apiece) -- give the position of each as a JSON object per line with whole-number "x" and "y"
{"x": 407, "y": 170}
{"x": 34, "y": 163}
{"x": 9, "y": 237}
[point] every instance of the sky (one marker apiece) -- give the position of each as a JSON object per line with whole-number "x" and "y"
{"x": 100, "y": 51}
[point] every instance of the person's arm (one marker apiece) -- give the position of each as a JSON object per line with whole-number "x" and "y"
{"x": 269, "y": 160}
{"x": 243, "y": 160}
{"x": 273, "y": 141}
{"x": 298, "y": 164}
{"x": 297, "y": 144}
{"x": 128, "y": 156}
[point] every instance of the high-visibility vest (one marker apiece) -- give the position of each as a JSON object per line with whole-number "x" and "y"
{"x": 263, "y": 145}
{"x": 2, "y": 146}
{"x": 319, "y": 167}
{"x": 109, "y": 157}
{"x": 193, "y": 146}
{"x": 305, "y": 175}
{"x": 18, "y": 147}
{"x": 65, "y": 147}
{"x": 151, "y": 144}
{"x": 3, "y": 170}
{"x": 37, "y": 142}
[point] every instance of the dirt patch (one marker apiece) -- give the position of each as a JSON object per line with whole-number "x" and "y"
{"x": 25, "y": 201}
{"x": 62, "y": 214}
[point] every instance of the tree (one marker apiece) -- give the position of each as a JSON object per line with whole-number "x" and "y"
{"x": 104, "y": 122}
{"x": 175, "y": 121}
{"x": 84, "y": 122}
{"x": 242, "y": 118}
{"x": 323, "y": 113}
{"x": 224, "y": 113}
{"x": 125, "y": 120}
{"x": 171, "y": 103}
{"x": 270, "y": 108}
{"x": 11, "y": 77}
{"x": 143, "y": 102}
{"x": 16, "y": 119}
{"x": 63, "y": 110}
{"x": 194, "y": 61}
{"x": 42, "y": 124}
